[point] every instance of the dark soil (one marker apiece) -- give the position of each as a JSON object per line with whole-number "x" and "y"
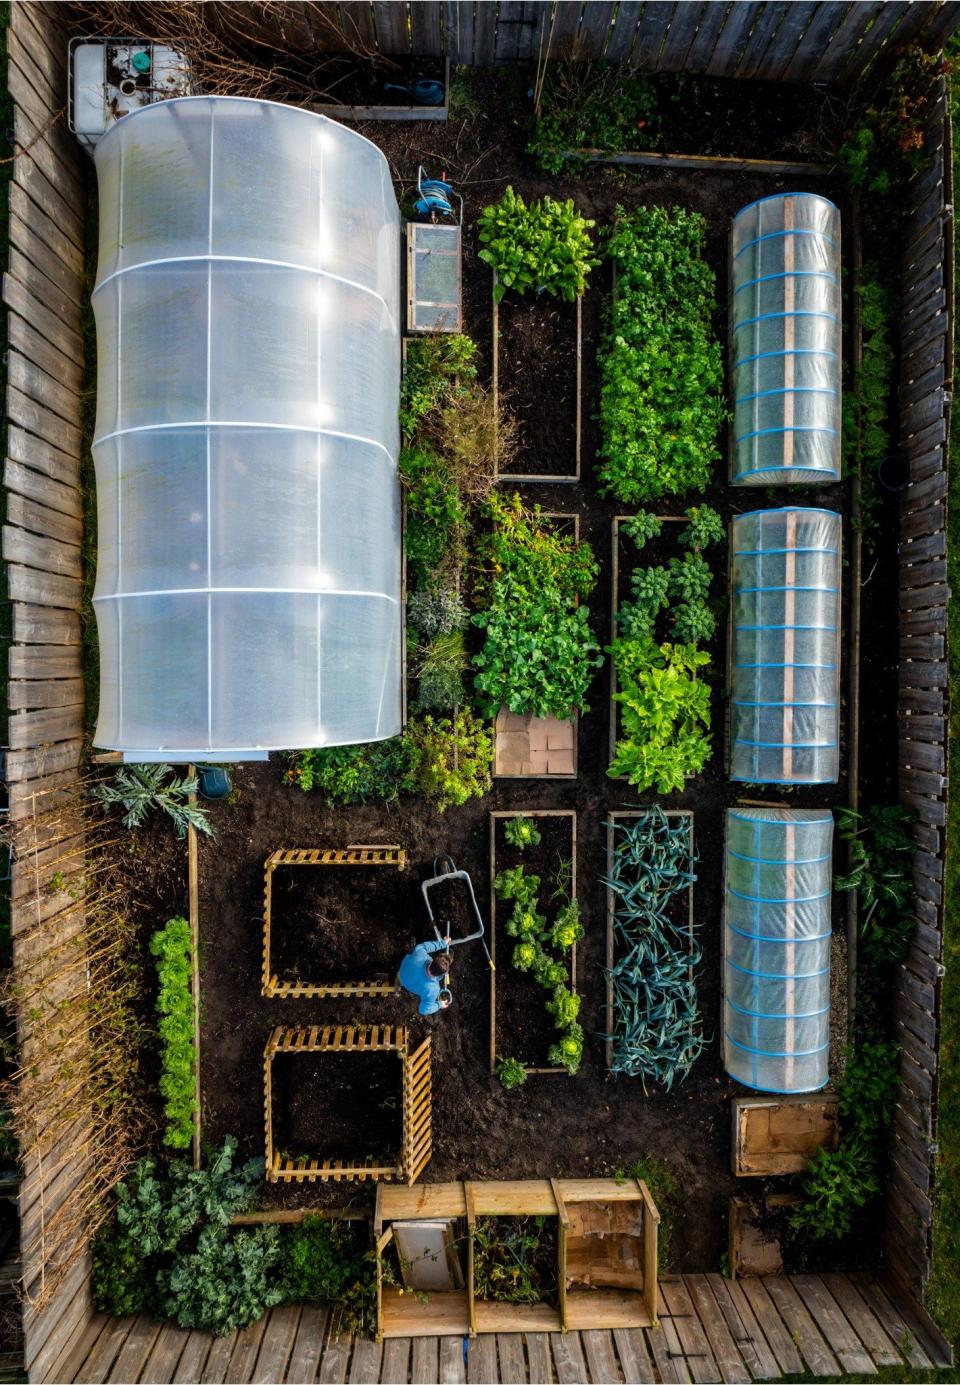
{"x": 339, "y": 923}
{"x": 360, "y": 1095}
{"x": 591, "y": 1124}
{"x": 538, "y": 347}
{"x": 524, "y": 1029}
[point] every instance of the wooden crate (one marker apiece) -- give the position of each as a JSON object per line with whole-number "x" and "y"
{"x": 271, "y": 984}
{"x": 417, "y": 1117}
{"x": 496, "y": 816}
{"x": 606, "y": 1249}
{"x": 779, "y": 1135}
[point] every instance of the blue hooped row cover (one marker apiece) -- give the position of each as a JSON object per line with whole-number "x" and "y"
{"x": 785, "y": 321}
{"x": 778, "y": 872}
{"x": 785, "y": 647}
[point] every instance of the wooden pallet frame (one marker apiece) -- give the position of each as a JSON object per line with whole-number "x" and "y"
{"x": 819, "y": 1119}
{"x": 415, "y": 1080}
{"x": 271, "y": 984}
{"x": 611, "y": 819}
{"x": 494, "y": 817}
{"x": 548, "y": 778}
{"x": 508, "y": 478}
{"x": 460, "y": 1312}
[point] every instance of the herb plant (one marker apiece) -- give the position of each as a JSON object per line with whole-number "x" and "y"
{"x": 545, "y": 246}
{"x": 881, "y": 859}
{"x": 437, "y": 367}
{"x": 437, "y": 611}
{"x": 661, "y": 367}
{"x": 838, "y": 1183}
{"x": 172, "y": 946}
{"x": 665, "y": 714}
{"x": 451, "y": 758}
{"x": 138, "y": 789}
{"x": 436, "y": 515}
{"x": 522, "y": 832}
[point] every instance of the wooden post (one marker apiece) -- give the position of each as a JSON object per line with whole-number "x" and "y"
{"x": 651, "y": 1223}
{"x": 562, "y": 1228}
{"x": 471, "y": 1228}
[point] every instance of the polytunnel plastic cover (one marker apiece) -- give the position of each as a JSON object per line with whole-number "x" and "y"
{"x": 785, "y": 647}
{"x": 247, "y": 303}
{"x": 786, "y": 334}
{"x": 778, "y": 869}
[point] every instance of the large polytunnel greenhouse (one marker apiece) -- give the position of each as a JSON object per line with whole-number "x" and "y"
{"x": 778, "y": 870}
{"x": 785, "y": 647}
{"x": 247, "y": 308}
{"x": 785, "y": 323}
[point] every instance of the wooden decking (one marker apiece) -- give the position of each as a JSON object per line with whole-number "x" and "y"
{"x": 710, "y": 1330}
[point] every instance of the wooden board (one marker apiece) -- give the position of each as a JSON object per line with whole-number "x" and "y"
{"x": 779, "y": 1135}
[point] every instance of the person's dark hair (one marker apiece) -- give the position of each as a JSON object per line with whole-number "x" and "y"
{"x": 440, "y": 963}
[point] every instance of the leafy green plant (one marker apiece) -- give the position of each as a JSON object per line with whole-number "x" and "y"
{"x": 642, "y": 527}
{"x": 664, "y": 1187}
{"x": 567, "y": 1052}
{"x": 665, "y": 714}
{"x": 452, "y": 758}
{"x": 172, "y": 946}
{"x": 436, "y": 368}
{"x": 511, "y": 1073}
{"x": 437, "y": 611}
{"x": 656, "y": 1032}
{"x": 325, "y": 1260}
{"x": 693, "y": 622}
{"x": 436, "y": 517}
{"x": 224, "y": 1282}
{"x": 545, "y": 246}
{"x": 661, "y": 368}
{"x": 539, "y": 654}
{"x": 592, "y": 105}
{"x": 838, "y": 1183}
{"x": 567, "y": 928}
{"x": 442, "y": 665}
{"x": 515, "y": 1259}
{"x": 881, "y": 863}
{"x": 139, "y": 789}
{"x": 347, "y": 774}
{"x": 868, "y": 1091}
{"x": 522, "y": 832}
{"x": 705, "y": 528}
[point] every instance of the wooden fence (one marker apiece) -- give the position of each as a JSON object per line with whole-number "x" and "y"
{"x": 926, "y": 381}
{"x": 774, "y": 40}
{"x": 41, "y": 546}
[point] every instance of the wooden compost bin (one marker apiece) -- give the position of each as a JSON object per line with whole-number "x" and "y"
{"x": 271, "y": 984}
{"x": 779, "y": 1135}
{"x": 417, "y": 1136}
{"x": 627, "y": 815}
{"x": 606, "y": 1256}
{"x": 495, "y": 817}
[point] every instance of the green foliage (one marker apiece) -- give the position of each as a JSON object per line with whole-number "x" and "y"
{"x": 656, "y": 1024}
{"x": 443, "y": 664}
{"x": 325, "y": 1261}
{"x": 123, "y": 1283}
{"x": 661, "y": 368}
{"x": 567, "y": 1052}
{"x": 838, "y": 1183}
{"x": 642, "y": 527}
{"x": 511, "y": 1073}
{"x": 437, "y": 611}
{"x": 138, "y": 789}
{"x": 436, "y": 515}
{"x": 539, "y": 654}
{"x": 522, "y": 832}
{"x": 689, "y": 578}
{"x": 593, "y": 105}
{"x": 435, "y": 369}
{"x": 515, "y": 1259}
{"x": 224, "y": 1282}
{"x": 545, "y": 246}
{"x": 887, "y": 145}
{"x": 565, "y": 1007}
{"x": 664, "y": 1188}
{"x": 650, "y": 587}
{"x": 881, "y": 864}
{"x": 868, "y": 415}
{"x": 567, "y": 928}
{"x": 693, "y": 622}
{"x": 705, "y": 527}
{"x": 869, "y": 1088}
{"x": 451, "y": 758}
{"x": 665, "y": 714}
{"x": 172, "y": 946}
{"x": 348, "y": 774}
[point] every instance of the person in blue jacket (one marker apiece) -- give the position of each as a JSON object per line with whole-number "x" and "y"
{"x": 423, "y": 972}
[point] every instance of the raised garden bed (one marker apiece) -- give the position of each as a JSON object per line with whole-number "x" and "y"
{"x": 779, "y": 1135}
{"x": 318, "y": 931}
{"x": 520, "y": 1025}
{"x": 364, "y": 1103}
{"x": 537, "y": 338}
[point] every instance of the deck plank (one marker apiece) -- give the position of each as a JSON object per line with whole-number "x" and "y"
{"x": 693, "y": 1339}
{"x": 218, "y": 1360}
{"x": 635, "y": 1363}
{"x": 744, "y": 1328}
{"x": 246, "y": 1349}
{"x": 308, "y": 1345}
{"x": 601, "y": 1356}
{"x": 335, "y": 1359}
{"x": 730, "y": 1363}
{"x": 513, "y": 1365}
{"x": 161, "y": 1364}
{"x": 89, "y": 1336}
{"x": 892, "y": 1322}
{"x": 453, "y": 1367}
{"x": 827, "y": 1314}
{"x": 863, "y": 1320}
{"x": 278, "y": 1340}
{"x": 768, "y": 1316}
{"x": 801, "y": 1326}
{"x": 424, "y": 1364}
{"x": 193, "y": 1359}
{"x": 395, "y": 1363}
{"x": 365, "y": 1361}
{"x": 667, "y": 1352}
{"x": 104, "y": 1352}
{"x": 568, "y": 1359}
{"x": 539, "y": 1360}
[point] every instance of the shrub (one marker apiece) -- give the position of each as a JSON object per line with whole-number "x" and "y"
{"x": 661, "y": 369}
{"x": 546, "y": 246}
{"x": 592, "y": 105}
{"x": 451, "y": 758}
{"x": 172, "y": 946}
{"x": 436, "y": 368}
{"x": 226, "y": 1281}
{"x": 436, "y": 516}
{"x": 437, "y": 611}
{"x": 138, "y": 789}
{"x": 665, "y": 714}
{"x": 511, "y": 1073}
{"x": 868, "y": 1091}
{"x": 348, "y": 774}
{"x": 881, "y": 865}
{"x": 442, "y": 667}
{"x": 837, "y": 1184}
{"x": 522, "y": 832}
{"x": 539, "y": 654}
